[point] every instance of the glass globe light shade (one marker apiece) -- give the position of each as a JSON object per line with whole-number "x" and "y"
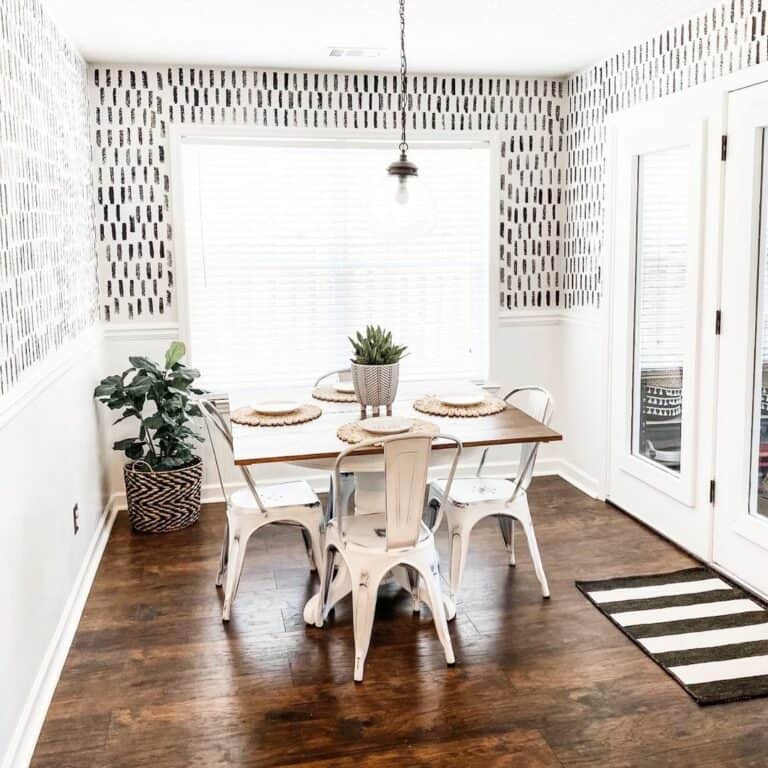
{"x": 402, "y": 207}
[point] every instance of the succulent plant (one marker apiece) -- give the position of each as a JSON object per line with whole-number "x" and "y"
{"x": 376, "y": 347}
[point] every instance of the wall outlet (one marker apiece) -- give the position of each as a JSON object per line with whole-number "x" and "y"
{"x": 75, "y": 519}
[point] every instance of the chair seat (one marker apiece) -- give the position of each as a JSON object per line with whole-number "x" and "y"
{"x": 294, "y": 494}
{"x": 369, "y": 531}
{"x": 470, "y": 490}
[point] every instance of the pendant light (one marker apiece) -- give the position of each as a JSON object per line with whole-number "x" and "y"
{"x": 403, "y": 203}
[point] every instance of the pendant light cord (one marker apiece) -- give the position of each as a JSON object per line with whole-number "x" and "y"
{"x": 403, "y": 80}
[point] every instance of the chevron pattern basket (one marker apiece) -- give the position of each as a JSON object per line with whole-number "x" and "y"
{"x": 159, "y": 502}
{"x": 375, "y": 385}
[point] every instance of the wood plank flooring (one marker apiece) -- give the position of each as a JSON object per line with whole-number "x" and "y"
{"x": 155, "y": 679}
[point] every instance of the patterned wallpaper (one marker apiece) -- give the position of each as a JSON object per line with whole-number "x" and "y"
{"x": 730, "y": 37}
{"x": 133, "y": 107}
{"x": 48, "y": 286}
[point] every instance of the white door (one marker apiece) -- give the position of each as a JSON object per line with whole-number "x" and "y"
{"x": 741, "y": 500}
{"x": 659, "y": 156}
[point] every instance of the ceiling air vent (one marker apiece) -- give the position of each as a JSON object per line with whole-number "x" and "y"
{"x": 355, "y": 53}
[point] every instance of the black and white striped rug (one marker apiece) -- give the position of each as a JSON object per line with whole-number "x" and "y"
{"x": 710, "y": 636}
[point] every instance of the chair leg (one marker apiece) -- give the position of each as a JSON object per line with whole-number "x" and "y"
{"x": 507, "y": 525}
{"x": 458, "y": 555}
{"x": 432, "y": 579}
{"x": 310, "y": 549}
{"x": 364, "y": 590}
{"x": 533, "y": 547}
{"x": 345, "y": 492}
{"x": 413, "y": 580}
{"x": 224, "y": 557}
{"x": 326, "y": 577}
{"x": 237, "y": 549}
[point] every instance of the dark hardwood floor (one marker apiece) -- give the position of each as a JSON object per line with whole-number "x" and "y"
{"x": 155, "y": 679}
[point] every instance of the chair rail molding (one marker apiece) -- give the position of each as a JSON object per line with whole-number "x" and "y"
{"x": 36, "y": 380}
{"x": 531, "y": 317}
{"x": 140, "y": 330}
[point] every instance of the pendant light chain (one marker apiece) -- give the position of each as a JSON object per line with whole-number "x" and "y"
{"x": 403, "y": 80}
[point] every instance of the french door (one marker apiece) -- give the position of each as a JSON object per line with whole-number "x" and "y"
{"x": 658, "y": 246}
{"x": 740, "y": 540}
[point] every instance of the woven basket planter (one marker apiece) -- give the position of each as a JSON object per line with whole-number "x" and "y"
{"x": 159, "y": 502}
{"x": 375, "y": 385}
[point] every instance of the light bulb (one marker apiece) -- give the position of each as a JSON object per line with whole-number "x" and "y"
{"x": 401, "y": 193}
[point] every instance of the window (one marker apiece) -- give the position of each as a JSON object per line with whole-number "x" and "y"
{"x": 284, "y": 259}
{"x": 661, "y": 257}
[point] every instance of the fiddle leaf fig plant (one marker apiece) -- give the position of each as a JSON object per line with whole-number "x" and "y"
{"x": 165, "y": 439}
{"x": 376, "y": 347}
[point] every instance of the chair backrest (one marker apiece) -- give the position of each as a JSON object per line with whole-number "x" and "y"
{"x": 343, "y": 374}
{"x": 538, "y": 403}
{"x": 215, "y": 412}
{"x": 406, "y": 462}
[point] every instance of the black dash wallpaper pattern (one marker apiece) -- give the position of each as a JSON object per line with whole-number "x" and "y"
{"x": 729, "y": 37}
{"x": 48, "y": 285}
{"x": 133, "y": 107}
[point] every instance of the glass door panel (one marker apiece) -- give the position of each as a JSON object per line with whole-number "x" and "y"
{"x": 661, "y": 255}
{"x": 758, "y": 501}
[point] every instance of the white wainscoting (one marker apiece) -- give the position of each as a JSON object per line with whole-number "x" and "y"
{"x": 526, "y": 350}
{"x": 51, "y": 449}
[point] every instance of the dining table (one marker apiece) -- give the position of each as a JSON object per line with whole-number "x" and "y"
{"x": 315, "y": 445}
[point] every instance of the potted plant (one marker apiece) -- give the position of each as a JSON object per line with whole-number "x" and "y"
{"x": 163, "y": 476}
{"x": 376, "y": 367}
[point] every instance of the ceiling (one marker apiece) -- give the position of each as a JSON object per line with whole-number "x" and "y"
{"x": 523, "y": 37}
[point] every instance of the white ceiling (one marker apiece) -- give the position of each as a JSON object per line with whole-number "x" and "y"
{"x": 525, "y": 37}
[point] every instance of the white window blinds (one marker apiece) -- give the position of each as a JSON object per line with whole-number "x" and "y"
{"x": 662, "y": 255}
{"x": 284, "y": 261}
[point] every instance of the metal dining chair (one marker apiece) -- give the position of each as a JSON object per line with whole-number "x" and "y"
{"x": 347, "y": 479}
{"x": 468, "y": 500}
{"x": 343, "y": 374}
{"x": 373, "y": 544}
{"x": 253, "y": 507}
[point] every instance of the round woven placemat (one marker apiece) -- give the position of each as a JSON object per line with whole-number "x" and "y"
{"x": 433, "y": 405}
{"x": 354, "y": 433}
{"x": 250, "y": 418}
{"x": 333, "y": 395}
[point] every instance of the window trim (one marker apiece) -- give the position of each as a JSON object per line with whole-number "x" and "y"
{"x": 225, "y": 134}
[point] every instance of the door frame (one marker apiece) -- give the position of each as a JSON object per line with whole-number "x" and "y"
{"x": 692, "y": 528}
{"x": 739, "y": 536}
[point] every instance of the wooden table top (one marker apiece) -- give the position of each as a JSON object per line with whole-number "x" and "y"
{"x": 316, "y": 440}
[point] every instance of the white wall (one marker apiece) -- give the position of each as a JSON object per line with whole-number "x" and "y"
{"x": 50, "y": 459}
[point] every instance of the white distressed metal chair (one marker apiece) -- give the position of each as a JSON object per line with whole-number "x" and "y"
{"x": 253, "y": 507}
{"x": 372, "y": 545}
{"x": 468, "y": 500}
{"x": 347, "y": 478}
{"x": 342, "y": 374}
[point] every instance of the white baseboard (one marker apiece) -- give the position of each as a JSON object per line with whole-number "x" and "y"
{"x": 579, "y": 479}
{"x": 27, "y": 731}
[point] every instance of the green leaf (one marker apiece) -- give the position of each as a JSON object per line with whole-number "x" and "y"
{"x": 122, "y": 445}
{"x": 144, "y": 364}
{"x": 135, "y": 451}
{"x": 175, "y": 352}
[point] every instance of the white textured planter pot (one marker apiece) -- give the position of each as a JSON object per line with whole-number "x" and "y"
{"x": 375, "y": 385}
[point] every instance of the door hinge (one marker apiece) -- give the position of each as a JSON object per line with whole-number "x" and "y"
{"x": 711, "y": 491}
{"x": 718, "y": 322}
{"x": 723, "y": 147}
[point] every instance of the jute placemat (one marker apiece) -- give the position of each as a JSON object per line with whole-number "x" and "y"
{"x": 354, "y": 432}
{"x": 332, "y": 395}
{"x": 433, "y": 405}
{"x": 250, "y": 418}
